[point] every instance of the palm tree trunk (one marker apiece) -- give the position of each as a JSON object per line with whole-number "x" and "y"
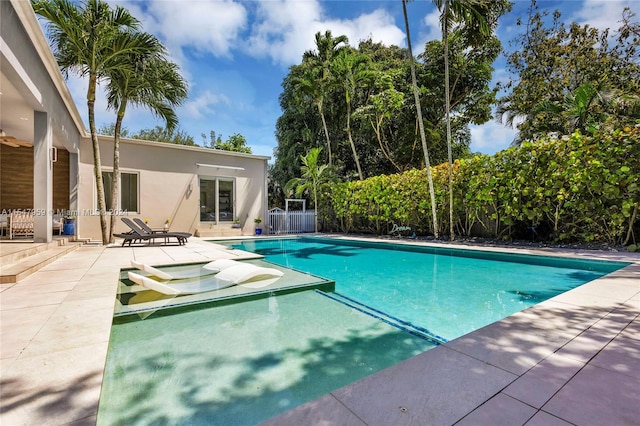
{"x": 315, "y": 206}
{"x": 91, "y": 99}
{"x": 115, "y": 181}
{"x": 447, "y": 100}
{"x": 326, "y": 132}
{"x": 421, "y": 124}
{"x": 353, "y": 146}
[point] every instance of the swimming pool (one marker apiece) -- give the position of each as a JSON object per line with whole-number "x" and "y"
{"x": 245, "y": 362}
{"x": 448, "y": 292}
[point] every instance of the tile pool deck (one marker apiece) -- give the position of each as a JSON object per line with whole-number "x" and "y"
{"x": 574, "y": 359}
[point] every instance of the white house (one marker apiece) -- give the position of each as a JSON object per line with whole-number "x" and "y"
{"x": 46, "y": 157}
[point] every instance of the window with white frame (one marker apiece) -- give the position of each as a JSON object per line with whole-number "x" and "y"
{"x": 128, "y": 189}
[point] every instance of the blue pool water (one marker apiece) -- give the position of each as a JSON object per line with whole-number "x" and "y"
{"x": 448, "y": 292}
{"x": 242, "y": 363}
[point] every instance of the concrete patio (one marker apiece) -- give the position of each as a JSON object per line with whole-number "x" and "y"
{"x": 574, "y": 359}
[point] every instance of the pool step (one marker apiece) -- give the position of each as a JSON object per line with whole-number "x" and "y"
{"x": 208, "y": 231}
{"x": 389, "y": 319}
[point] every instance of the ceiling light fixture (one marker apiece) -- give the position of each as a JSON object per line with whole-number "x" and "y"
{"x": 11, "y": 140}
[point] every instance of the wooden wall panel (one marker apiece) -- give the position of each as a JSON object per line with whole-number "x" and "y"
{"x": 16, "y": 179}
{"x": 61, "y": 181}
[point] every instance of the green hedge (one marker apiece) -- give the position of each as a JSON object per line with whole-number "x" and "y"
{"x": 575, "y": 189}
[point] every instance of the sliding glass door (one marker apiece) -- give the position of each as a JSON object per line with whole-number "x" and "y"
{"x": 217, "y": 199}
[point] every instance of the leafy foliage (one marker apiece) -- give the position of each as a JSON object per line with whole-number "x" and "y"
{"x": 355, "y": 102}
{"x": 93, "y": 40}
{"x": 579, "y": 188}
{"x": 148, "y": 80}
{"x": 313, "y": 176}
{"x": 162, "y": 134}
{"x": 571, "y": 77}
{"x": 235, "y": 142}
{"x": 110, "y": 130}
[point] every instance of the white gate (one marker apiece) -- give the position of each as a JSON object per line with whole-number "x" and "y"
{"x": 291, "y": 221}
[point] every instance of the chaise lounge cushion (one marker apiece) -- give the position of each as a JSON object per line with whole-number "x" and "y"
{"x": 240, "y": 273}
{"x": 175, "y": 275}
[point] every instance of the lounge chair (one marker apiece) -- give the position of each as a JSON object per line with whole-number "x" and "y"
{"x": 204, "y": 270}
{"x": 242, "y": 273}
{"x": 135, "y": 224}
{"x": 141, "y": 223}
{"x": 150, "y": 230}
{"x": 138, "y": 234}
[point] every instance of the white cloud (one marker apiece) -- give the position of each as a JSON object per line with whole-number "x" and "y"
{"x": 285, "y": 29}
{"x": 281, "y": 30}
{"x": 378, "y": 25}
{"x": 430, "y": 32}
{"x": 602, "y": 14}
{"x": 203, "y": 105}
{"x": 205, "y": 26}
{"x": 491, "y": 137}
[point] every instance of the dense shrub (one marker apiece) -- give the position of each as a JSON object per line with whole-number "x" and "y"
{"x": 574, "y": 189}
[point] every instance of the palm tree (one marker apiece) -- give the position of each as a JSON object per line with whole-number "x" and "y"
{"x": 88, "y": 39}
{"x": 423, "y": 137}
{"x": 352, "y": 71}
{"x": 149, "y": 81}
{"x": 329, "y": 48}
{"x": 310, "y": 85}
{"x": 317, "y": 81}
{"x": 471, "y": 12}
{"x": 579, "y": 110}
{"x": 313, "y": 175}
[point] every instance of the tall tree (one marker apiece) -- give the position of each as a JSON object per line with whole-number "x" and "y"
{"x": 382, "y": 105}
{"x": 313, "y": 175}
{"x": 423, "y": 137}
{"x": 146, "y": 80}
{"x": 551, "y": 61}
{"x": 89, "y": 39}
{"x": 316, "y": 81}
{"x": 311, "y": 86}
{"x": 352, "y": 70}
{"x": 383, "y": 125}
{"x": 469, "y": 13}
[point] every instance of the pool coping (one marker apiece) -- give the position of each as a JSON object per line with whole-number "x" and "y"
{"x": 532, "y": 367}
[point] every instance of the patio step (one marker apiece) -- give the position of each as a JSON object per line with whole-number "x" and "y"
{"x": 20, "y": 261}
{"x": 218, "y": 231}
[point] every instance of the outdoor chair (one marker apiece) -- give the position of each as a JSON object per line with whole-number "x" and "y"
{"x": 141, "y": 223}
{"x": 139, "y": 234}
{"x": 57, "y": 224}
{"x": 159, "y": 232}
{"x": 20, "y": 224}
{"x": 202, "y": 271}
{"x": 232, "y": 273}
{"x": 4, "y": 224}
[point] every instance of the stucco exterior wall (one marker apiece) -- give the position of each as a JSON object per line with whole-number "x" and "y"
{"x": 35, "y": 74}
{"x": 169, "y": 183}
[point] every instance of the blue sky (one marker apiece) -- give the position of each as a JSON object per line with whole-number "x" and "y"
{"x": 235, "y": 54}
